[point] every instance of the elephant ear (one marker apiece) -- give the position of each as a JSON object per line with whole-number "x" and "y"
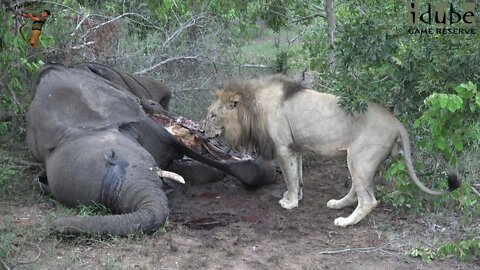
{"x": 70, "y": 102}
{"x": 141, "y": 87}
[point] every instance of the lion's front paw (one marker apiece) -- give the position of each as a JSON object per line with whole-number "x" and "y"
{"x": 287, "y": 202}
{"x": 334, "y": 204}
{"x": 342, "y": 222}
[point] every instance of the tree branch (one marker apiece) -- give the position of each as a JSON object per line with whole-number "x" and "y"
{"x": 321, "y": 15}
{"x": 19, "y": 4}
{"x": 331, "y": 34}
{"x": 78, "y": 25}
{"x": 166, "y": 62}
{"x": 118, "y": 18}
{"x": 78, "y": 47}
{"x": 192, "y": 22}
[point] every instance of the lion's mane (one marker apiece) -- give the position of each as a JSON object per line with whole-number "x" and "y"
{"x": 248, "y": 126}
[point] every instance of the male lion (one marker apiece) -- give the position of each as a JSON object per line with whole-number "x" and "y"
{"x": 280, "y": 119}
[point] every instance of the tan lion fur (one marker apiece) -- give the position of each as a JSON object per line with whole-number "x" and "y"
{"x": 280, "y": 119}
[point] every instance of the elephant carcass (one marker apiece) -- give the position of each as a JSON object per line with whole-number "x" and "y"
{"x": 99, "y": 146}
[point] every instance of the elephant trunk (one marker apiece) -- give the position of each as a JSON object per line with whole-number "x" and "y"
{"x": 141, "y": 206}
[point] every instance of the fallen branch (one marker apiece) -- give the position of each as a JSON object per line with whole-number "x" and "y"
{"x": 255, "y": 66}
{"x": 365, "y": 250}
{"x": 475, "y": 190}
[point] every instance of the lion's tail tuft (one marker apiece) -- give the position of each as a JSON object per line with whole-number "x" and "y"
{"x": 453, "y": 182}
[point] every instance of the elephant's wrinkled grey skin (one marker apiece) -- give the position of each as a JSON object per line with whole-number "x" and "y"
{"x": 142, "y": 87}
{"x": 99, "y": 146}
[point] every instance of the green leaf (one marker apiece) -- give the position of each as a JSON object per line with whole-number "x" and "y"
{"x": 473, "y": 108}
{"x": 440, "y": 142}
{"x": 454, "y": 103}
{"x": 443, "y": 102}
{"x": 457, "y": 142}
{"x": 417, "y": 123}
{"x": 436, "y": 128}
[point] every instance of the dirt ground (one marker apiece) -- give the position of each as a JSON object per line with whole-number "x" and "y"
{"x": 223, "y": 225}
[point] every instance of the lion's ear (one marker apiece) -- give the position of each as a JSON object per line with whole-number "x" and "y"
{"x": 234, "y": 101}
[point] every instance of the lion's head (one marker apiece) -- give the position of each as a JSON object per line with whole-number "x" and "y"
{"x": 236, "y": 116}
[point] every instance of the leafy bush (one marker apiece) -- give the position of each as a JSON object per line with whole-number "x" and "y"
{"x": 452, "y": 125}
{"x": 464, "y": 250}
{"x": 452, "y": 120}
{"x": 17, "y": 70}
{"x": 406, "y": 193}
{"x": 378, "y": 60}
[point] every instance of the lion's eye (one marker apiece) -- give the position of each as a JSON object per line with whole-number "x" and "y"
{"x": 213, "y": 116}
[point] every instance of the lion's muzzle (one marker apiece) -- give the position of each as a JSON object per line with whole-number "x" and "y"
{"x": 212, "y": 131}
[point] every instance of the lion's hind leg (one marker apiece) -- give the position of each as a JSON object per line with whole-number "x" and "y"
{"x": 363, "y": 167}
{"x": 349, "y": 199}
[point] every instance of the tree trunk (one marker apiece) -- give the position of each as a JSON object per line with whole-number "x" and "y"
{"x": 331, "y": 34}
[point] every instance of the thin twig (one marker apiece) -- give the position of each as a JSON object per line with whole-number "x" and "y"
{"x": 367, "y": 249}
{"x": 255, "y": 66}
{"x": 21, "y": 165}
{"x": 475, "y": 191}
{"x": 381, "y": 80}
{"x": 5, "y": 265}
{"x": 97, "y": 241}
{"x": 78, "y": 47}
{"x": 118, "y": 18}
{"x": 296, "y": 38}
{"x": 192, "y": 22}
{"x": 79, "y": 25}
{"x": 166, "y": 62}
{"x": 35, "y": 259}
{"x": 321, "y": 15}
{"x": 29, "y": 164}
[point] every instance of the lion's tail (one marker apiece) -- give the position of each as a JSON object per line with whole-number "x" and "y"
{"x": 453, "y": 181}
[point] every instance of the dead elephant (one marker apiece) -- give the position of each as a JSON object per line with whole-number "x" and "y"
{"x": 99, "y": 146}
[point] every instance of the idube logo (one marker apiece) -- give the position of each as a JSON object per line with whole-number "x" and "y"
{"x": 441, "y": 18}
